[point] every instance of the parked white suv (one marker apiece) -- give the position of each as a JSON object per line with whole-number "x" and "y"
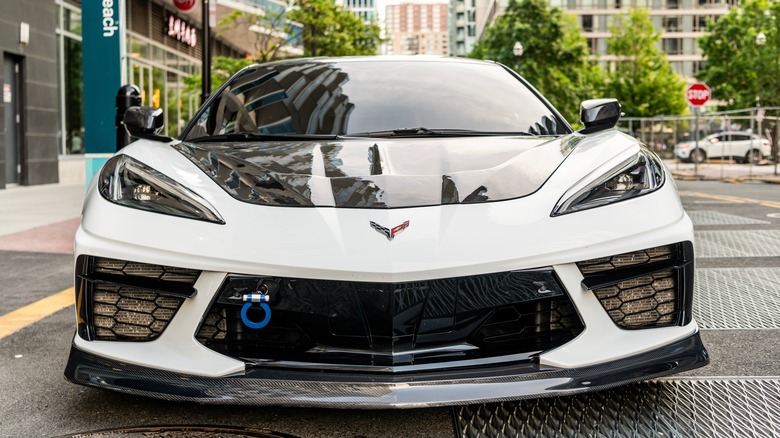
{"x": 740, "y": 145}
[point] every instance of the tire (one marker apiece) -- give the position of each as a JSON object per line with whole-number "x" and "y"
{"x": 753, "y": 156}
{"x": 698, "y": 156}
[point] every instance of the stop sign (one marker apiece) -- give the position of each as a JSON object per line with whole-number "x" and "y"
{"x": 184, "y": 5}
{"x": 698, "y": 94}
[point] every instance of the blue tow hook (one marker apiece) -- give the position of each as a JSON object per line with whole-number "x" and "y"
{"x": 256, "y": 298}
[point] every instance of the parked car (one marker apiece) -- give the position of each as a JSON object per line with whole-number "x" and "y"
{"x": 381, "y": 232}
{"x": 741, "y": 146}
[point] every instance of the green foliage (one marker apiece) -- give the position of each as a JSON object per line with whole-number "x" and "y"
{"x": 737, "y": 68}
{"x": 222, "y": 68}
{"x": 331, "y": 30}
{"x": 328, "y": 30}
{"x": 642, "y": 79}
{"x": 555, "y": 53}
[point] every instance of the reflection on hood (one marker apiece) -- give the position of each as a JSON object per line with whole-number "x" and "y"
{"x": 387, "y": 173}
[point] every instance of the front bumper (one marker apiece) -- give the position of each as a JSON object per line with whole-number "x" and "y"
{"x": 318, "y": 389}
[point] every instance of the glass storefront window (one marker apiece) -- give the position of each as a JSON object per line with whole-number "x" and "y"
{"x": 70, "y": 78}
{"x": 161, "y": 81}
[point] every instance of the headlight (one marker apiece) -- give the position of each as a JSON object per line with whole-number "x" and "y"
{"x": 637, "y": 176}
{"x": 126, "y": 181}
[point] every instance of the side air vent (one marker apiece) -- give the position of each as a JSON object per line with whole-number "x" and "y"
{"x": 644, "y": 289}
{"x": 121, "y": 300}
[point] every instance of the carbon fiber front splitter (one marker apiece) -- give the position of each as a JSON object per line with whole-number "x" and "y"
{"x": 269, "y": 386}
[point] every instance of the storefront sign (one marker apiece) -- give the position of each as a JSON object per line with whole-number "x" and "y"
{"x": 179, "y": 29}
{"x": 109, "y": 23}
{"x": 102, "y": 76}
{"x": 184, "y": 5}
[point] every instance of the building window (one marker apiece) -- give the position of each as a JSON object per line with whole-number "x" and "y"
{"x": 70, "y": 79}
{"x": 672, "y": 4}
{"x": 671, "y": 24}
{"x": 587, "y": 23}
{"x": 672, "y": 46}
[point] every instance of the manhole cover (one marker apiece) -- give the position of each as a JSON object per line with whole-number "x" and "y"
{"x": 181, "y": 431}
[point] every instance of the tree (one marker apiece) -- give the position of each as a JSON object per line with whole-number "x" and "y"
{"x": 320, "y": 26}
{"x": 222, "y": 68}
{"x": 331, "y": 30}
{"x": 555, "y": 53}
{"x": 738, "y": 69}
{"x": 642, "y": 78}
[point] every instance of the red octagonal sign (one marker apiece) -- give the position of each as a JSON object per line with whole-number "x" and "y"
{"x": 698, "y": 94}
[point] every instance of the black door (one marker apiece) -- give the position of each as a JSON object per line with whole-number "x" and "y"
{"x": 13, "y": 118}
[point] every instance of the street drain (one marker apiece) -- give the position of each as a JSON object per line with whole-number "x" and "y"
{"x": 180, "y": 431}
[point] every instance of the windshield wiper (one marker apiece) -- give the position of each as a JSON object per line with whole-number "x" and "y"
{"x": 423, "y": 132}
{"x": 251, "y": 136}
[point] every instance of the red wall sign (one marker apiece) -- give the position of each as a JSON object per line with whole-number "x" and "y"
{"x": 184, "y": 5}
{"x": 698, "y": 94}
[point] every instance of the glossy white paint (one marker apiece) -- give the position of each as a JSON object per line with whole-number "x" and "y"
{"x": 340, "y": 244}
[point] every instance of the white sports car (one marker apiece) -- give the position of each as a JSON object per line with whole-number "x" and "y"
{"x": 381, "y": 232}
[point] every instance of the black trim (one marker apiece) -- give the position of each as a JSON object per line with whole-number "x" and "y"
{"x": 335, "y": 389}
{"x": 160, "y": 287}
{"x": 611, "y": 278}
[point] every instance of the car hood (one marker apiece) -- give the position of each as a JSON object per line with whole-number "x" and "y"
{"x": 378, "y": 173}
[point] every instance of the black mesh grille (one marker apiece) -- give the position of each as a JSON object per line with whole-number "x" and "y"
{"x": 645, "y": 257}
{"x": 644, "y": 289}
{"x": 534, "y": 326}
{"x": 123, "y": 268}
{"x": 385, "y": 325}
{"x": 127, "y": 313}
{"x": 121, "y": 300}
{"x": 649, "y": 301}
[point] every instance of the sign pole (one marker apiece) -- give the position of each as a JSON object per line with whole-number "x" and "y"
{"x": 696, "y": 111}
{"x": 697, "y": 95}
{"x": 206, "y": 44}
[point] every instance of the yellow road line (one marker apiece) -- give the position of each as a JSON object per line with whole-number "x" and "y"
{"x": 735, "y": 199}
{"x": 20, "y": 318}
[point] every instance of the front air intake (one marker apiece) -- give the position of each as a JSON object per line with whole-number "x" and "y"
{"x": 120, "y": 300}
{"x": 644, "y": 289}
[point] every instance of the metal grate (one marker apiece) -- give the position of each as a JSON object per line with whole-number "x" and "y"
{"x": 123, "y": 268}
{"x": 648, "y": 301}
{"x": 130, "y": 314}
{"x": 630, "y": 259}
{"x": 737, "y": 298}
{"x": 753, "y": 243}
{"x": 707, "y": 217}
{"x": 678, "y": 408}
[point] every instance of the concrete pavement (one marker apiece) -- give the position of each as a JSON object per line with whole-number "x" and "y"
{"x": 40, "y": 218}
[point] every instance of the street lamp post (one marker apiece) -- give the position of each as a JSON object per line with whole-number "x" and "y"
{"x": 517, "y": 50}
{"x": 761, "y": 41}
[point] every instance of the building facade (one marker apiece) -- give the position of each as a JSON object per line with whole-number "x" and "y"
{"x": 417, "y": 29}
{"x": 680, "y": 22}
{"x": 364, "y": 9}
{"x": 28, "y": 152}
{"x": 463, "y": 26}
{"x": 47, "y": 82}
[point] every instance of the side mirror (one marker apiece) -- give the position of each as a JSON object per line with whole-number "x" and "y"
{"x": 599, "y": 114}
{"x": 145, "y": 122}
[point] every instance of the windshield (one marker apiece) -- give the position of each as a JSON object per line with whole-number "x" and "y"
{"x": 361, "y": 97}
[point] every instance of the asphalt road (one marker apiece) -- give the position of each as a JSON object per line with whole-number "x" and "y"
{"x": 37, "y": 401}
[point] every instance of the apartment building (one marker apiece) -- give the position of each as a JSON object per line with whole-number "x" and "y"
{"x": 417, "y": 29}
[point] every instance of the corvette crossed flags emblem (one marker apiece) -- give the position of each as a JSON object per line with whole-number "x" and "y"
{"x": 389, "y": 232}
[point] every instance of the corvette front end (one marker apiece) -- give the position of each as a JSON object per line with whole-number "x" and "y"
{"x": 383, "y": 272}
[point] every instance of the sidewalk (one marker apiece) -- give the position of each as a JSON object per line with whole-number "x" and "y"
{"x": 723, "y": 171}
{"x": 40, "y": 218}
